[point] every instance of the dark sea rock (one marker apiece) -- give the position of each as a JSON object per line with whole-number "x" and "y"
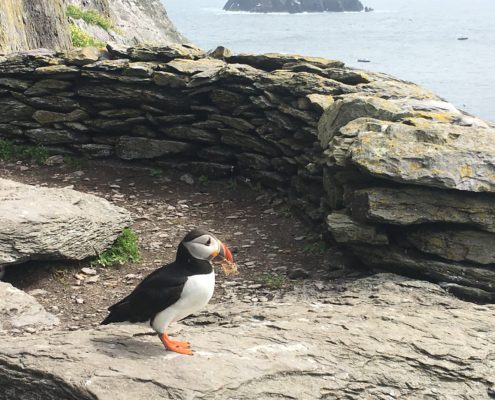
{"x": 293, "y": 6}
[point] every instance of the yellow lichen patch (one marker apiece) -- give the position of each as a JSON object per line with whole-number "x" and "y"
{"x": 436, "y": 242}
{"x": 466, "y": 171}
{"x": 417, "y": 122}
{"x": 320, "y": 100}
{"x": 444, "y": 117}
{"x": 415, "y": 165}
{"x": 436, "y": 171}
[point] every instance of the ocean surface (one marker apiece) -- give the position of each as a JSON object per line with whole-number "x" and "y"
{"x": 414, "y": 40}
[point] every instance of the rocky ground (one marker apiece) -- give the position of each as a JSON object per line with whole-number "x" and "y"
{"x": 385, "y": 337}
{"x": 274, "y": 251}
{"x": 294, "y": 324}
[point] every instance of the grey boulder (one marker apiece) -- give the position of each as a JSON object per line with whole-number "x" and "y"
{"x": 19, "y": 310}
{"x": 39, "y": 223}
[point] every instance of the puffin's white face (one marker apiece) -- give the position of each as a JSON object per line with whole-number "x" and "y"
{"x": 204, "y": 247}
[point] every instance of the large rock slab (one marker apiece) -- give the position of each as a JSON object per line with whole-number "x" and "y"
{"x": 412, "y": 263}
{"x": 47, "y": 223}
{"x": 385, "y": 337}
{"x": 412, "y": 206}
{"x": 430, "y": 154}
{"x": 130, "y": 148}
{"x": 455, "y": 244}
{"x": 19, "y": 310}
{"x": 346, "y": 230}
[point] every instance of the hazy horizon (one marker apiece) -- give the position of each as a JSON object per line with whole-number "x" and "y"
{"x": 414, "y": 41}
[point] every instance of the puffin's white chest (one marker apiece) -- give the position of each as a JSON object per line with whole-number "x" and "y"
{"x": 196, "y": 294}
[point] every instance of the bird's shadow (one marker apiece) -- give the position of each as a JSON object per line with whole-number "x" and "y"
{"x": 131, "y": 347}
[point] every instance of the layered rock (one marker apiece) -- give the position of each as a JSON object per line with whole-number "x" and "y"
{"x": 293, "y": 6}
{"x": 383, "y": 337}
{"x": 36, "y": 24}
{"x": 133, "y": 21}
{"x": 394, "y": 172}
{"x": 46, "y": 223}
{"x": 33, "y": 24}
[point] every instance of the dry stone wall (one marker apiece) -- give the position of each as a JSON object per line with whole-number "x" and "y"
{"x": 397, "y": 175}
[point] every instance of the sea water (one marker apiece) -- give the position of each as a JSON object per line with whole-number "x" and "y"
{"x": 415, "y": 40}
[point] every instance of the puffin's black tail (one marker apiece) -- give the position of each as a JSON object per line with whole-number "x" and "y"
{"x": 118, "y": 313}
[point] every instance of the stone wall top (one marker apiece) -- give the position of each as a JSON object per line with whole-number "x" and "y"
{"x": 371, "y": 158}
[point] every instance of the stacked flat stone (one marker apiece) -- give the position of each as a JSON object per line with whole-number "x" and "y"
{"x": 399, "y": 176}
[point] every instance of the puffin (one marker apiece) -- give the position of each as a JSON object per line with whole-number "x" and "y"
{"x": 176, "y": 290}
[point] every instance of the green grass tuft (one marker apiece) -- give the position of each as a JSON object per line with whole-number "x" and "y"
{"x": 81, "y": 38}
{"x": 232, "y": 185}
{"x": 315, "y": 245}
{"x": 124, "y": 249}
{"x": 155, "y": 172}
{"x": 10, "y": 151}
{"x": 91, "y": 17}
{"x": 203, "y": 181}
{"x": 272, "y": 280}
{"x": 73, "y": 162}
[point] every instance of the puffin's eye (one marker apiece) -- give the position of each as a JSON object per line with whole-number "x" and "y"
{"x": 208, "y": 242}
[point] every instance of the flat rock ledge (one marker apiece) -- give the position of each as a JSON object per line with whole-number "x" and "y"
{"x": 384, "y": 337}
{"x": 38, "y": 223}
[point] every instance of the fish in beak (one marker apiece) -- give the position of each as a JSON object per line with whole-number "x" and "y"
{"x": 225, "y": 259}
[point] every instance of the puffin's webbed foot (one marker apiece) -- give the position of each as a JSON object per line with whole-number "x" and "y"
{"x": 175, "y": 346}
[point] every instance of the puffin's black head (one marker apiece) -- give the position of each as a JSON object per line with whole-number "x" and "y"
{"x": 203, "y": 245}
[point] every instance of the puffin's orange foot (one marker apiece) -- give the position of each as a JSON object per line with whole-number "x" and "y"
{"x": 176, "y": 346}
{"x": 180, "y": 344}
{"x": 181, "y": 350}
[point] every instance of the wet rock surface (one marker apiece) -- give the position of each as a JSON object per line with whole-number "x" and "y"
{"x": 380, "y": 337}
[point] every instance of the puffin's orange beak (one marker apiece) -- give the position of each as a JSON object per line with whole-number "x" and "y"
{"x": 227, "y": 261}
{"x": 224, "y": 252}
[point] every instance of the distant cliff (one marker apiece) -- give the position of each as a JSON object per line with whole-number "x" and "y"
{"x": 27, "y": 24}
{"x": 293, "y": 6}
{"x": 60, "y": 24}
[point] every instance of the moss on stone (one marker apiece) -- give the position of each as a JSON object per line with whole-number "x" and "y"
{"x": 80, "y": 38}
{"x": 91, "y": 17}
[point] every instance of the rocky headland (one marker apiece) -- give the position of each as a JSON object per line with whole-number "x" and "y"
{"x": 293, "y": 6}
{"x": 396, "y": 176}
{"x": 60, "y": 24}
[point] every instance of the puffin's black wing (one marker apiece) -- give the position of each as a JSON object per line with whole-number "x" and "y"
{"x": 157, "y": 291}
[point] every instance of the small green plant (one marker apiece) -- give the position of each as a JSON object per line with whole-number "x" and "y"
{"x": 314, "y": 245}
{"x": 203, "y": 181}
{"x": 124, "y": 249}
{"x": 81, "y": 38}
{"x": 75, "y": 162}
{"x": 232, "y": 185}
{"x": 272, "y": 280}
{"x": 91, "y": 17}
{"x": 155, "y": 172}
{"x": 10, "y": 151}
{"x": 285, "y": 212}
